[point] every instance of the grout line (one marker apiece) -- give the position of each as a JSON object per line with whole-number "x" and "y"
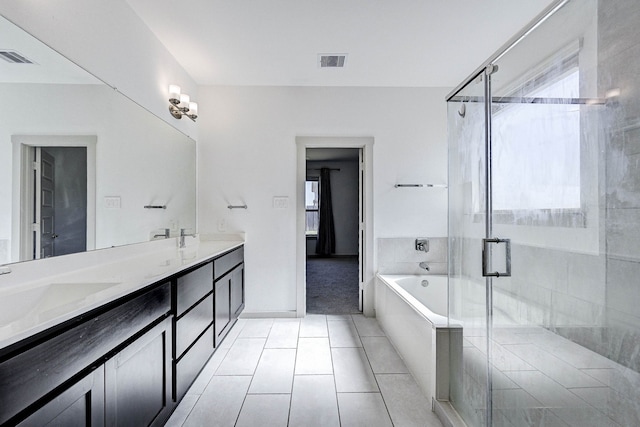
{"x": 361, "y": 392}
{"x": 241, "y": 406}
{"x": 252, "y": 375}
{"x": 268, "y": 394}
{"x": 293, "y": 378}
{"x": 190, "y": 410}
{"x": 235, "y": 375}
{"x": 384, "y": 401}
{"x": 335, "y": 386}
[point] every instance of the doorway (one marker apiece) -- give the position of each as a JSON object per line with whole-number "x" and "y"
{"x": 332, "y": 228}
{"x": 56, "y": 195}
{"x": 348, "y": 268}
{"x": 60, "y": 191}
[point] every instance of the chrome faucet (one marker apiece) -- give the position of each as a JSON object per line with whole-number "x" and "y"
{"x": 183, "y": 235}
{"x": 165, "y": 235}
{"x": 424, "y": 265}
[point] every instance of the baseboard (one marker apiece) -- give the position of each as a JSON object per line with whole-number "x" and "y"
{"x": 267, "y": 314}
{"x": 447, "y": 414}
{"x": 332, "y": 256}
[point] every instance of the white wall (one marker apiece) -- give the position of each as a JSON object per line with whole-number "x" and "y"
{"x": 247, "y": 154}
{"x": 109, "y": 40}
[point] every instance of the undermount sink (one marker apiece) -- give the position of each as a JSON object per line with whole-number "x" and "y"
{"x": 47, "y": 301}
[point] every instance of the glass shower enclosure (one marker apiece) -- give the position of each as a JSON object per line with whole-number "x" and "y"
{"x": 544, "y": 224}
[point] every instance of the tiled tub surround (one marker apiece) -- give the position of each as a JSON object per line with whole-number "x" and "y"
{"x": 40, "y": 294}
{"x": 398, "y": 256}
{"x": 414, "y": 318}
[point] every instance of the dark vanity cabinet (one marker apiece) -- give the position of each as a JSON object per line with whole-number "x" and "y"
{"x": 128, "y": 362}
{"x": 108, "y": 366}
{"x": 208, "y": 300}
{"x": 193, "y": 299}
{"x": 229, "y": 291}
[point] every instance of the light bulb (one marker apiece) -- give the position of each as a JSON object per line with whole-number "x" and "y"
{"x": 174, "y": 92}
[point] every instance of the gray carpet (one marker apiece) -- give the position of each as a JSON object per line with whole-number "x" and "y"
{"x": 332, "y": 285}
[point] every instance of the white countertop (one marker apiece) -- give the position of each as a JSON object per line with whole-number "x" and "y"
{"x": 34, "y": 306}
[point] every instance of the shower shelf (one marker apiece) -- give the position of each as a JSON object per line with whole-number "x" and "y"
{"x": 420, "y": 185}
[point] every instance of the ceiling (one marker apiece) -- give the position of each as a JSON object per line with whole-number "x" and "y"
{"x": 394, "y": 43}
{"x": 48, "y": 66}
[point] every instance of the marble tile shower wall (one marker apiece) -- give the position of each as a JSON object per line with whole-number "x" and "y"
{"x": 4, "y": 251}
{"x": 619, "y": 67}
{"x": 590, "y": 299}
{"x": 399, "y": 256}
{"x": 553, "y": 288}
{"x": 549, "y": 288}
{"x": 571, "y": 294}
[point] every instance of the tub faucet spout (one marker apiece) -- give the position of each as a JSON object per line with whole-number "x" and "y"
{"x": 424, "y": 265}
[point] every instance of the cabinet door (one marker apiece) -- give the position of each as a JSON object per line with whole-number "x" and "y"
{"x": 138, "y": 380}
{"x": 223, "y": 308}
{"x": 82, "y": 404}
{"x": 237, "y": 291}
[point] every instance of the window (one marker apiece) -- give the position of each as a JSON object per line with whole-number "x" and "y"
{"x": 312, "y": 197}
{"x": 536, "y": 148}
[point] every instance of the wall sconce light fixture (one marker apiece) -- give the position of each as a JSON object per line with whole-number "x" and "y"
{"x": 181, "y": 105}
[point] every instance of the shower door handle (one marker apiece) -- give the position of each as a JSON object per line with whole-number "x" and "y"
{"x": 486, "y": 243}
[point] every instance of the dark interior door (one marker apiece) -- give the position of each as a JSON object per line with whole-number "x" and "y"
{"x": 47, "y": 205}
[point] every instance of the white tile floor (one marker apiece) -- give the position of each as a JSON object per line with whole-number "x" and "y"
{"x": 541, "y": 378}
{"x": 318, "y": 371}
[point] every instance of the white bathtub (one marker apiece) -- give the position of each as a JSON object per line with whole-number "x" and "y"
{"x": 414, "y": 317}
{"x": 427, "y": 294}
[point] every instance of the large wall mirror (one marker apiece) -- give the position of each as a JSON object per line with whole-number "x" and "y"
{"x": 82, "y": 167}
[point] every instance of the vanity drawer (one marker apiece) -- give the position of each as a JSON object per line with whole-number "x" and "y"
{"x": 193, "y": 286}
{"x": 190, "y": 365}
{"x": 226, "y": 262}
{"x": 189, "y": 326}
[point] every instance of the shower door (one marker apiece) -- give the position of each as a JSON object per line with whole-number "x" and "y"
{"x": 544, "y": 161}
{"x": 469, "y": 291}
{"x": 548, "y": 110}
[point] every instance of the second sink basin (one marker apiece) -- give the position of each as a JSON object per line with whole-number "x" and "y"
{"x": 47, "y": 301}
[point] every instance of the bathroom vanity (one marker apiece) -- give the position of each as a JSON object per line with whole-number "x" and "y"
{"x": 124, "y": 349}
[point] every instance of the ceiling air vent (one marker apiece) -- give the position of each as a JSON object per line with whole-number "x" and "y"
{"x": 14, "y": 57}
{"x": 332, "y": 60}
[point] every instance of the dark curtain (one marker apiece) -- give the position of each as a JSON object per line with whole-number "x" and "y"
{"x": 326, "y": 243}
